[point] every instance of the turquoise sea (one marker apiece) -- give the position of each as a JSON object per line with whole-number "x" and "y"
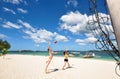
{"x": 78, "y": 54}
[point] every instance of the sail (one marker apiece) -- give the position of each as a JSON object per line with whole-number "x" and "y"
{"x": 114, "y": 10}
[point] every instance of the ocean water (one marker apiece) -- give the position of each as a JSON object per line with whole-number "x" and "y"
{"x": 80, "y": 54}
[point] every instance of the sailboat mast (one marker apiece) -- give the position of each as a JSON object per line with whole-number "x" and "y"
{"x": 114, "y": 10}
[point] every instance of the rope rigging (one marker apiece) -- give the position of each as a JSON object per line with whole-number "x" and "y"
{"x": 102, "y": 33}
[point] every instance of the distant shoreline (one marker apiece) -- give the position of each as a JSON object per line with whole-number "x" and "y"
{"x": 58, "y": 51}
{"x": 46, "y": 54}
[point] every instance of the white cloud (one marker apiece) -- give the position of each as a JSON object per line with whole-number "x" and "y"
{"x": 89, "y": 34}
{"x": 103, "y": 18}
{"x": 72, "y": 2}
{"x": 22, "y": 10}
{"x": 89, "y": 40}
{"x": 9, "y": 10}
{"x": 75, "y": 22}
{"x": 2, "y": 36}
{"x": 40, "y": 36}
{"x": 27, "y": 25}
{"x": 80, "y": 42}
{"x": 15, "y": 1}
{"x": 44, "y": 36}
{"x": 9, "y": 24}
{"x": 12, "y": 1}
{"x": 37, "y": 45}
{"x": 36, "y": 35}
{"x": 60, "y": 37}
{"x": 105, "y": 25}
{"x": 73, "y": 18}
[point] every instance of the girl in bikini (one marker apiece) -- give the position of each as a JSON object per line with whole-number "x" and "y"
{"x": 66, "y": 55}
{"x": 49, "y": 60}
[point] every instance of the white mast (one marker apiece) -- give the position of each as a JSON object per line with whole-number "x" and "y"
{"x": 114, "y": 10}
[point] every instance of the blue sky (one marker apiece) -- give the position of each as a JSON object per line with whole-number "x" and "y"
{"x": 32, "y": 24}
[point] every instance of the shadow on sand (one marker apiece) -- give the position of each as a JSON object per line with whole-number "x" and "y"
{"x": 54, "y": 70}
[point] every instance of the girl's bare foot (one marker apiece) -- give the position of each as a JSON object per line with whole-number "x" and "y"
{"x": 47, "y": 72}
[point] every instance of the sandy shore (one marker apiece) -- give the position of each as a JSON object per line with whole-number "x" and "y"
{"x": 33, "y": 67}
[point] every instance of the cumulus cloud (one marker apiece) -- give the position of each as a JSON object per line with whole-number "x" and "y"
{"x": 40, "y": 35}
{"x": 90, "y": 40}
{"x": 78, "y": 23}
{"x": 75, "y": 22}
{"x": 74, "y": 3}
{"x": 43, "y": 36}
{"x": 72, "y": 17}
{"x": 9, "y": 24}
{"x": 9, "y": 10}
{"x": 22, "y": 10}
{"x": 60, "y": 37}
{"x": 80, "y": 41}
{"x": 89, "y": 34}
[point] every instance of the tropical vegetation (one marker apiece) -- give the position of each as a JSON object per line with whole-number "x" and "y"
{"x": 4, "y": 46}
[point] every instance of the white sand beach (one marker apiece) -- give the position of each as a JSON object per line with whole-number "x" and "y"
{"x": 33, "y": 67}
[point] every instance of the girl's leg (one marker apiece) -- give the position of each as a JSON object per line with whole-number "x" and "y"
{"x": 64, "y": 65}
{"x": 46, "y": 69}
{"x": 48, "y": 62}
{"x": 68, "y": 64}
